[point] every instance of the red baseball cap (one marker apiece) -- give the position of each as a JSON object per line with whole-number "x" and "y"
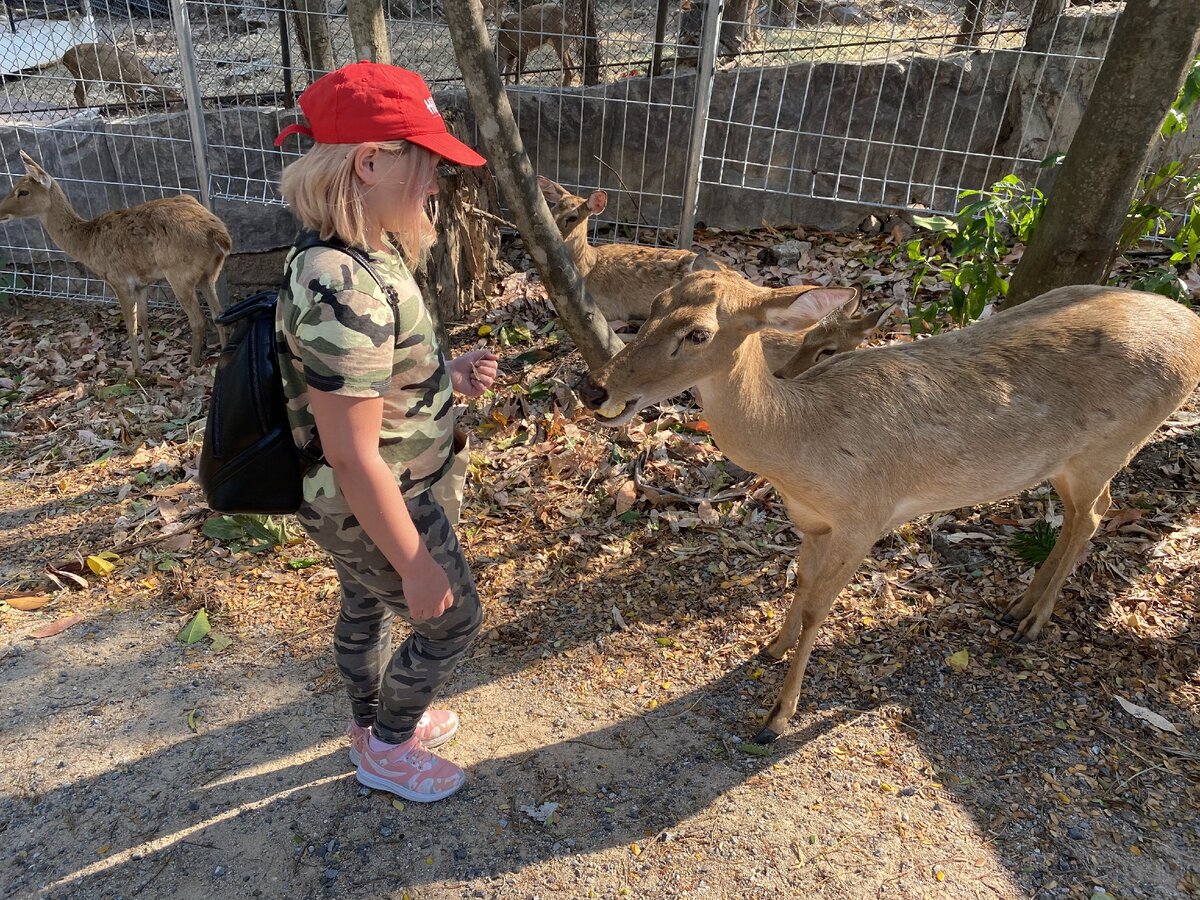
{"x": 368, "y": 101}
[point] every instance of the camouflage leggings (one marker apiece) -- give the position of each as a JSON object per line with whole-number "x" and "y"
{"x": 391, "y": 690}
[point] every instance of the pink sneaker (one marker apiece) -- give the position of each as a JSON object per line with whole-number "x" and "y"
{"x": 435, "y": 728}
{"x": 410, "y": 771}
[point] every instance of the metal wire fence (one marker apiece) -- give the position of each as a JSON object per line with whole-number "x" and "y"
{"x": 676, "y": 108}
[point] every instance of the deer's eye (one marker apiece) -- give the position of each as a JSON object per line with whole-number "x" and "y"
{"x": 825, "y": 353}
{"x": 699, "y": 336}
{"x": 22, "y": 193}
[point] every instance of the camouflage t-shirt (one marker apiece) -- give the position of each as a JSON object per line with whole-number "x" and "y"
{"x": 337, "y": 331}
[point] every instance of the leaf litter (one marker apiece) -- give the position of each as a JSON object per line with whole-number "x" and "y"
{"x": 629, "y": 568}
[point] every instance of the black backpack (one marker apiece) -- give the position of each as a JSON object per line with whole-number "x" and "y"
{"x": 249, "y": 462}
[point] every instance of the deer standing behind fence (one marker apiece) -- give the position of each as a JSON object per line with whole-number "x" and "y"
{"x": 521, "y": 33}
{"x": 1064, "y": 388}
{"x": 120, "y": 69}
{"x": 173, "y": 238}
{"x": 624, "y": 279}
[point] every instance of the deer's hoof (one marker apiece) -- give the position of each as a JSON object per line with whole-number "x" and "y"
{"x": 766, "y": 736}
{"x": 771, "y": 653}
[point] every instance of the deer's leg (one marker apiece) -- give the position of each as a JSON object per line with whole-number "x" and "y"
{"x": 808, "y": 565}
{"x": 208, "y": 287}
{"x": 185, "y": 293}
{"x": 140, "y": 295}
{"x": 841, "y": 553}
{"x": 129, "y": 314}
{"x": 1085, "y": 499}
{"x": 80, "y": 92}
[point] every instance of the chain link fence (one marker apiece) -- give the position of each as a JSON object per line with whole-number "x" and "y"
{"x": 801, "y": 111}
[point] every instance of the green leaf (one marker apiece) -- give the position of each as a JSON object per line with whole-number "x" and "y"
{"x": 195, "y": 629}
{"x": 219, "y": 642}
{"x": 755, "y": 749}
{"x": 935, "y": 223}
{"x": 108, "y": 391}
{"x": 306, "y": 562}
{"x": 222, "y": 528}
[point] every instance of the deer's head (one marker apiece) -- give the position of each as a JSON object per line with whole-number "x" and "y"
{"x": 30, "y": 194}
{"x": 571, "y": 212}
{"x": 843, "y": 329}
{"x": 694, "y": 333}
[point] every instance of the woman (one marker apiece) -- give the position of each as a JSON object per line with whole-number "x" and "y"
{"x": 363, "y": 372}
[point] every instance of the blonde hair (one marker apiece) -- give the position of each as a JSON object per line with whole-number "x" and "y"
{"x": 326, "y": 195}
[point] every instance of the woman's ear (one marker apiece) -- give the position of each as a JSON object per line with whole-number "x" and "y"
{"x": 365, "y": 158}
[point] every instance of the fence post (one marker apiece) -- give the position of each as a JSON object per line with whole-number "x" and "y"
{"x": 191, "y": 92}
{"x": 705, "y": 72}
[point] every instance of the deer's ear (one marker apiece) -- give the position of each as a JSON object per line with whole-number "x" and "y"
{"x": 551, "y": 190}
{"x": 40, "y": 175}
{"x": 596, "y": 202}
{"x": 805, "y": 311}
{"x": 850, "y": 307}
{"x": 872, "y": 321}
{"x": 702, "y": 263}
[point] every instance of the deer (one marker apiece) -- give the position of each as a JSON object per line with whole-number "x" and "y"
{"x": 521, "y": 33}
{"x": 1064, "y": 388}
{"x": 174, "y": 238}
{"x": 119, "y": 69}
{"x": 624, "y": 279}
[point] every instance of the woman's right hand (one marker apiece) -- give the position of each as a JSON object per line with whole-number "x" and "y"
{"x": 426, "y": 588}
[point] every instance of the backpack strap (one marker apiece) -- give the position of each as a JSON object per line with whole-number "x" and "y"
{"x": 307, "y": 240}
{"x": 312, "y": 453}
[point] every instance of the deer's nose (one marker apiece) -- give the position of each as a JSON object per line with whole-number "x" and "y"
{"x": 593, "y": 395}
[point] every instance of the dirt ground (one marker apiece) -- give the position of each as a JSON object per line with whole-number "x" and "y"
{"x": 606, "y": 709}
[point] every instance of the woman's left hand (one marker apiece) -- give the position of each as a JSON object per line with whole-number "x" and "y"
{"x": 473, "y": 373}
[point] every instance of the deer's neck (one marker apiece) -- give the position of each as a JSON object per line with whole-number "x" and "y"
{"x": 751, "y": 412}
{"x": 583, "y": 253}
{"x": 66, "y": 227}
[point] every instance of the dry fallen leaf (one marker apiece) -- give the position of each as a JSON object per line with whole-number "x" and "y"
{"x": 56, "y": 627}
{"x": 1122, "y": 517}
{"x": 27, "y": 602}
{"x": 625, "y": 497}
{"x": 1149, "y": 716}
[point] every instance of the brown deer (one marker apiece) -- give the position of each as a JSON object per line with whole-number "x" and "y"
{"x": 624, "y": 279}
{"x": 120, "y": 69}
{"x": 521, "y": 33}
{"x": 1064, "y": 388}
{"x": 173, "y": 238}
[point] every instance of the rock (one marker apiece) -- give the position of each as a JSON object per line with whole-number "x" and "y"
{"x": 899, "y": 227}
{"x": 870, "y": 225}
{"x": 219, "y": 872}
{"x": 788, "y": 253}
{"x": 848, "y": 15}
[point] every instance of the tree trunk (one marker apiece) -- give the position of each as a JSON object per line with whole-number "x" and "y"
{"x": 591, "y": 44}
{"x": 585, "y": 323}
{"x": 974, "y": 12}
{"x": 737, "y": 29}
{"x": 1041, "y": 24}
{"x": 783, "y": 12}
{"x": 1090, "y": 198}
{"x": 368, "y": 31}
{"x": 312, "y": 34}
{"x": 459, "y": 270}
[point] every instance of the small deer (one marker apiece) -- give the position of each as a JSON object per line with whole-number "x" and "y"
{"x": 1064, "y": 388}
{"x": 521, "y": 33}
{"x": 173, "y": 238}
{"x": 624, "y": 279}
{"x": 119, "y": 69}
